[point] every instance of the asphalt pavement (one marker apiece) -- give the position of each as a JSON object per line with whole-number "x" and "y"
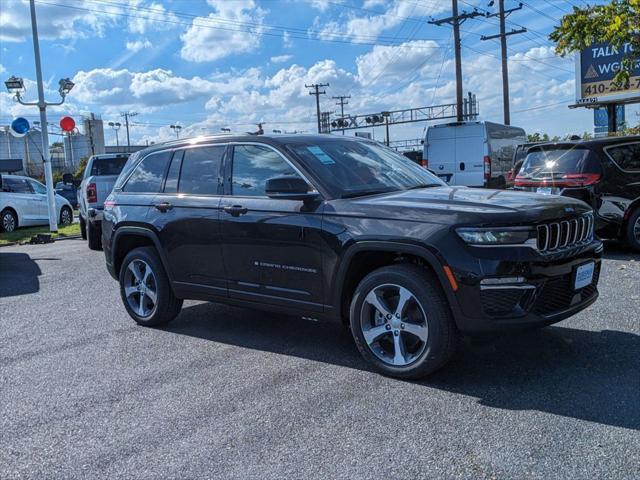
{"x": 230, "y": 393}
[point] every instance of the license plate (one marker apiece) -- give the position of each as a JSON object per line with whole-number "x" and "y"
{"x": 584, "y": 275}
{"x": 544, "y": 190}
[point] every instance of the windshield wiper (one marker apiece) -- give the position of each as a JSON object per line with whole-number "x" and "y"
{"x": 423, "y": 185}
{"x": 363, "y": 193}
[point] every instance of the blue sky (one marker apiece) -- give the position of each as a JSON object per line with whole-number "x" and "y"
{"x": 232, "y": 63}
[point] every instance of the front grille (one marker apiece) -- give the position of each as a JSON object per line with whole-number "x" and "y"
{"x": 556, "y": 236}
{"x": 557, "y": 294}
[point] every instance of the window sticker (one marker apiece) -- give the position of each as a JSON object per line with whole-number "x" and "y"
{"x": 320, "y": 155}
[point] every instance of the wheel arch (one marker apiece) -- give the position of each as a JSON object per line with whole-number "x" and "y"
{"x": 363, "y": 257}
{"x": 127, "y": 238}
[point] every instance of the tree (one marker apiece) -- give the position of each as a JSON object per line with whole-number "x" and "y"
{"x": 617, "y": 23}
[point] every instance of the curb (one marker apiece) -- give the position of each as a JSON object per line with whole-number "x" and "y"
{"x": 13, "y": 244}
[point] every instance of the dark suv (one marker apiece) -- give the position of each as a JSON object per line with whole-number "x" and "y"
{"x": 605, "y": 173}
{"x": 342, "y": 228}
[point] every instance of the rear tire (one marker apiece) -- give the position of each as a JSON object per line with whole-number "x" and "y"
{"x": 83, "y": 228}
{"x": 154, "y": 303}
{"x": 66, "y": 216}
{"x": 93, "y": 235}
{"x": 401, "y": 321}
{"x": 8, "y": 221}
{"x": 632, "y": 233}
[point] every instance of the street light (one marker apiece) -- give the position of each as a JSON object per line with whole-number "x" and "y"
{"x": 15, "y": 86}
{"x": 177, "y": 129}
{"x": 116, "y": 126}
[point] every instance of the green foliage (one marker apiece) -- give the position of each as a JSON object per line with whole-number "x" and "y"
{"x": 80, "y": 170}
{"x": 615, "y": 23}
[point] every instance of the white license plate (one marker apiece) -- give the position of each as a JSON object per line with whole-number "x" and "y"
{"x": 544, "y": 190}
{"x": 584, "y": 275}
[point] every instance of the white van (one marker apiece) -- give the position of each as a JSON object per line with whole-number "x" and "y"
{"x": 475, "y": 154}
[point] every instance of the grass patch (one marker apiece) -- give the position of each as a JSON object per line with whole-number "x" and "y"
{"x": 23, "y": 235}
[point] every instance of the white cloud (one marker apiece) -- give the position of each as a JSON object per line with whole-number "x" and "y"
{"x": 321, "y": 5}
{"x": 138, "y": 45}
{"x": 2, "y": 69}
{"x": 281, "y": 58}
{"x": 219, "y": 34}
{"x": 153, "y": 17}
{"x": 387, "y": 64}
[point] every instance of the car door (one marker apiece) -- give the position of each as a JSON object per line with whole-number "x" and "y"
{"x": 20, "y": 195}
{"x": 186, "y": 217}
{"x": 271, "y": 247}
{"x": 620, "y": 185}
{"x": 41, "y": 206}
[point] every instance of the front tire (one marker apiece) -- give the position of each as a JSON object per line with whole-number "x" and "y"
{"x": 8, "y": 221}
{"x": 632, "y": 234}
{"x": 401, "y": 321}
{"x": 93, "y": 235}
{"x": 145, "y": 289}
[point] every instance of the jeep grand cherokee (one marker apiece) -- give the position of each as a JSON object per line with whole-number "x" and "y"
{"x": 346, "y": 229}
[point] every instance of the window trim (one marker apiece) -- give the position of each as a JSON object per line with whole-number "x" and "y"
{"x": 606, "y": 151}
{"x": 228, "y": 174}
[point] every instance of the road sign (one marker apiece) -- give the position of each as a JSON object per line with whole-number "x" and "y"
{"x": 20, "y": 127}
{"x": 596, "y": 66}
{"x": 67, "y": 124}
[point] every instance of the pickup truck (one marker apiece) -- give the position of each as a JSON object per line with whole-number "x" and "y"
{"x": 97, "y": 182}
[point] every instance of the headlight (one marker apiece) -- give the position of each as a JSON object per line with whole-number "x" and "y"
{"x": 496, "y": 236}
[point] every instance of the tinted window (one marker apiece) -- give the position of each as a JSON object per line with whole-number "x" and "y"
{"x": 38, "y": 187}
{"x": 252, "y": 166}
{"x": 107, "y": 166}
{"x": 559, "y": 161}
{"x": 147, "y": 177}
{"x": 200, "y": 174}
{"x": 626, "y": 156}
{"x": 15, "y": 185}
{"x": 171, "y": 183}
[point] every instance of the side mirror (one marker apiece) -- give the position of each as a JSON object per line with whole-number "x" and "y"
{"x": 290, "y": 188}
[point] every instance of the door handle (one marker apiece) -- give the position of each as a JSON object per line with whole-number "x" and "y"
{"x": 163, "y": 207}
{"x": 235, "y": 210}
{"x": 462, "y": 166}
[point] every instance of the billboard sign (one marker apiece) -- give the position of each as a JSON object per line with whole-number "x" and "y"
{"x": 601, "y": 117}
{"x": 595, "y": 68}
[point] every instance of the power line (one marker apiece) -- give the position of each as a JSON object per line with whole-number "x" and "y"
{"x": 126, "y": 116}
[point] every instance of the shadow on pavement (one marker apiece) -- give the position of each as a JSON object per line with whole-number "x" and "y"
{"x": 18, "y": 274}
{"x": 615, "y": 250}
{"x": 581, "y": 374}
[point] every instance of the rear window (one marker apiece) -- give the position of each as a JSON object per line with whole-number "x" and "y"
{"x": 108, "y": 166}
{"x": 559, "y": 161}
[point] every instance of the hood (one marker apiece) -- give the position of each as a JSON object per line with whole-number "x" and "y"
{"x": 475, "y": 205}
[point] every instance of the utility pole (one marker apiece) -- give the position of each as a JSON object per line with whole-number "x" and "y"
{"x": 455, "y": 21}
{"x": 342, "y": 101}
{"x": 316, "y": 91}
{"x": 503, "y": 14}
{"x": 126, "y": 116}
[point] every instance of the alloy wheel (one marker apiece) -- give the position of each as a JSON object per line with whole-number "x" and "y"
{"x": 140, "y": 288}
{"x": 394, "y": 324}
{"x": 8, "y": 222}
{"x": 66, "y": 217}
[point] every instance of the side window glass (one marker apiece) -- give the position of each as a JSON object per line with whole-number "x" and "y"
{"x": 148, "y": 175}
{"x": 16, "y": 185}
{"x": 200, "y": 173}
{"x": 171, "y": 184}
{"x": 253, "y": 165}
{"x": 626, "y": 156}
{"x": 38, "y": 187}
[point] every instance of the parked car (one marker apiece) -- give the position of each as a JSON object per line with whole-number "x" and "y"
{"x": 342, "y": 228}
{"x": 605, "y": 173}
{"x": 474, "y": 154}
{"x": 23, "y": 203}
{"x": 68, "y": 191}
{"x": 519, "y": 155}
{"x": 99, "y": 176}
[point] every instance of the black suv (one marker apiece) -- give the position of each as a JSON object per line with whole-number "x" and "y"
{"x": 605, "y": 173}
{"x": 342, "y": 228}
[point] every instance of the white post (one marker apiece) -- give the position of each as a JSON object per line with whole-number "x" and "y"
{"x": 42, "y": 106}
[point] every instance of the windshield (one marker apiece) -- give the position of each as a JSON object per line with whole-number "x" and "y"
{"x": 351, "y": 168}
{"x": 108, "y": 166}
{"x": 558, "y": 161}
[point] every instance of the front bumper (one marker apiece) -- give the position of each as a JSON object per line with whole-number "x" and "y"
{"x": 544, "y": 293}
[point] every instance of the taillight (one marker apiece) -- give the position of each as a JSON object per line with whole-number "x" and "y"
{"x": 487, "y": 168}
{"x": 425, "y": 162}
{"x": 566, "y": 180}
{"x": 92, "y": 193}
